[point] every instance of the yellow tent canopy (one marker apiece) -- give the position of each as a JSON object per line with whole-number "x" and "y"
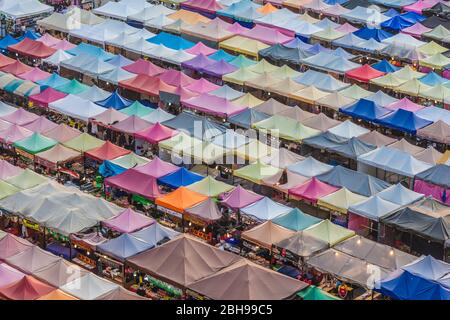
{"x": 239, "y": 44}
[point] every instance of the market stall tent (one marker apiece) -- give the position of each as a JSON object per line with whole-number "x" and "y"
{"x": 249, "y": 281}
{"x": 62, "y": 133}
{"x": 210, "y": 187}
{"x": 240, "y": 197}
{"x": 6, "y": 189}
{"x": 35, "y": 143}
{"x": 26, "y": 180}
{"x": 11, "y": 245}
{"x": 27, "y": 288}
{"x": 206, "y": 210}
{"x": 182, "y": 261}
{"x": 180, "y": 199}
{"x": 31, "y": 260}
{"x": 340, "y": 200}
{"x": 295, "y": 220}
{"x": 83, "y": 142}
{"x": 136, "y": 182}
{"x": 265, "y": 209}
{"x": 88, "y": 287}
{"x": 128, "y": 221}
{"x": 400, "y": 195}
{"x": 9, "y": 275}
{"x": 266, "y": 234}
{"x": 329, "y": 232}
{"x": 59, "y": 273}
{"x": 120, "y": 294}
{"x": 123, "y": 247}
{"x": 8, "y": 170}
{"x": 315, "y": 293}
{"x": 309, "y": 167}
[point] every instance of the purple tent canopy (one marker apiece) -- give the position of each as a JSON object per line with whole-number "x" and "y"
{"x": 135, "y": 182}
{"x": 198, "y": 63}
{"x": 157, "y": 168}
{"x": 128, "y": 221}
{"x": 7, "y": 170}
{"x": 240, "y": 197}
{"x": 219, "y": 68}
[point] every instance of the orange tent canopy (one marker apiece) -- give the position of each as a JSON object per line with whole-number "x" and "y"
{"x": 180, "y": 199}
{"x": 267, "y": 8}
{"x": 57, "y": 295}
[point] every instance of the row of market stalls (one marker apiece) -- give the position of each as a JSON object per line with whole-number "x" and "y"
{"x": 30, "y": 273}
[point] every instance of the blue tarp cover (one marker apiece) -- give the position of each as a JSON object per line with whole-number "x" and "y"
{"x": 84, "y": 48}
{"x": 7, "y": 41}
{"x": 109, "y": 169}
{"x": 171, "y": 41}
{"x": 403, "y": 120}
{"x": 115, "y": 101}
{"x": 180, "y": 178}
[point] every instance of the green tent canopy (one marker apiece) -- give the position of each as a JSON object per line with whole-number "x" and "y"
{"x": 137, "y": 109}
{"x": 35, "y": 143}
{"x": 329, "y": 232}
{"x": 257, "y": 172}
{"x": 84, "y": 142}
{"x": 72, "y": 87}
{"x": 242, "y": 61}
{"x": 26, "y": 180}
{"x": 7, "y": 189}
{"x": 210, "y": 187}
{"x": 130, "y": 160}
{"x": 296, "y": 220}
{"x": 315, "y": 293}
{"x": 286, "y": 128}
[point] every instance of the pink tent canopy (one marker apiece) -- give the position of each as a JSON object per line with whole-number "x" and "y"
{"x": 213, "y": 105}
{"x": 9, "y": 275}
{"x": 346, "y": 28}
{"x": 48, "y": 40}
{"x": 20, "y": 117}
{"x": 14, "y": 133}
{"x": 267, "y": 35}
{"x": 131, "y": 125}
{"x": 420, "y": 5}
{"x": 27, "y": 288}
{"x": 183, "y": 93}
{"x": 35, "y": 75}
{"x": 107, "y": 151}
{"x": 240, "y": 198}
{"x": 40, "y": 125}
{"x": 236, "y": 28}
{"x": 219, "y": 68}
{"x": 16, "y": 68}
{"x": 176, "y": 78}
{"x": 62, "y": 133}
{"x": 128, "y": 221}
{"x": 8, "y": 170}
{"x": 63, "y": 45}
{"x": 202, "y": 86}
{"x": 312, "y": 190}
{"x": 405, "y": 104}
{"x": 416, "y": 30}
{"x": 109, "y": 116}
{"x": 157, "y": 168}
{"x": 135, "y": 182}
{"x": 142, "y": 66}
{"x": 11, "y": 245}
{"x": 156, "y": 133}
{"x": 201, "y": 48}
{"x": 208, "y": 6}
{"x": 47, "y": 96}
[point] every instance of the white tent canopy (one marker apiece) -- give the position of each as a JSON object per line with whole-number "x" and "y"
{"x": 76, "y": 107}
{"x": 89, "y": 287}
{"x": 309, "y": 167}
{"x": 56, "y": 58}
{"x": 116, "y": 75}
{"x": 94, "y": 94}
{"x": 265, "y": 209}
{"x": 348, "y": 130}
{"x": 399, "y": 194}
{"x": 374, "y": 208}
{"x": 24, "y": 8}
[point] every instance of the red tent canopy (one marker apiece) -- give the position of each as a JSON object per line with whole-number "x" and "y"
{"x": 5, "y": 61}
{"x": 28, "y": 288}
{"x": 47, "y": 96}
{"x": 142, "y": 66}
{"x": 108, "y": 151}
{"x": 364, "y": 73}
{"x": 135, "y": 182}
{"x": 156, "y": 133}
{"x": 32, "y": 48}
{"x": 16, "y": 68}
{"x": 146, "y": 84}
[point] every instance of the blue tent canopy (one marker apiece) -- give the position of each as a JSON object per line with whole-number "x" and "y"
{"x": 391, "y": 13}
{"x": 30, "y": 35}
{"x": 404, "y": 120}
{"x": 171, "y": 41}
{"x": 109, "y": 169}
{"x": 366, "y": 110}
{"x": 84, "y": 48}
{"x": 115, "y": 101}
{"x": 334, "y": 2}
{"x": 119, "y": 61}
{"x": 433, "y": 79}
{"x": 180, "y": 178}
{"x": 124, "y": 246}
{"x": 246, "y": 118}
{"x": 385, "y": 66}
{"x": 13, "y": 85}
{"x": 413, "y": 16}
{"x": 420, "y": 280}
{"x": 221, "y": 55}
{"x": 155, "y": 234}
{"x": 397, "y": 23}
{"x": 55, "y": 80}
{"x": 7, "y": 41}
{"x": 296, "y": 220}
{"x": 372, "y": 33}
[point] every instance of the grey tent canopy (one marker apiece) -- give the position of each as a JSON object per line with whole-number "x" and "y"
{"x": 349, "y": 148}
{"x": 301, "y": 245}
{"x": 376, "y": 253}
{"x": 281, "y": 52}
{"x": 354, "y": 181}
{"x": 246, "y": 118}
{"x": 187, "y": 122}
{"x": 438, "y": 175}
